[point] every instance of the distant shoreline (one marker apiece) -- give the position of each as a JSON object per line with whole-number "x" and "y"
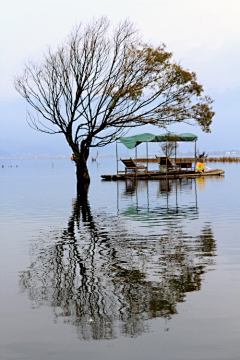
{"x": 140, "y": 157}
{"x": 47, "y": 157}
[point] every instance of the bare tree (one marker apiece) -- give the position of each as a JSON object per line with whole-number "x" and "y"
{"x": 169, "y": 147}
{"x": 100, "y": 83}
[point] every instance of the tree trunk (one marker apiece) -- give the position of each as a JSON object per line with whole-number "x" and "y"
{"x": 80, "y": 159}
{"x": 82, "y": 170}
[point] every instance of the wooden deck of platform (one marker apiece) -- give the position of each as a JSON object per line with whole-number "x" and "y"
{"x": 160, "y": 175}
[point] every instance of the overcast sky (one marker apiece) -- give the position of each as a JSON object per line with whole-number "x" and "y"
{"x": 204, "y": 35}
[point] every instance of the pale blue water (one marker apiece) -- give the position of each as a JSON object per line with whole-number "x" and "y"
{"x": 139, "y": 270}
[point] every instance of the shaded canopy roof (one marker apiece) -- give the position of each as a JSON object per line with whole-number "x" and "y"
{"x": 132, "y": 141}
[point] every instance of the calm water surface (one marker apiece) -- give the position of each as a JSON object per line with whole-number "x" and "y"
{"x": 134, "y": 270}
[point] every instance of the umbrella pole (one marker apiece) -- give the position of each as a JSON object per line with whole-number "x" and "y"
{"x": 136, "y": 150}
{"x": 175, "y": 152}
{"x": 166, "y": 157}
{"x": 117, "y": 156}
{"x": 195, "y": 154}
{"x": 147, "y": 154}
{"x": 136, "y": 171}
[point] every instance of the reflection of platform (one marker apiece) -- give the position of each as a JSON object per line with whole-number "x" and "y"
{"x": 159, "y": 175}
{"x": 166, "y": 203}
{"x": 153, "y": 216}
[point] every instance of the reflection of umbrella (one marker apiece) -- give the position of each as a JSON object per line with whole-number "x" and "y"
{"x": 157, "y": 215}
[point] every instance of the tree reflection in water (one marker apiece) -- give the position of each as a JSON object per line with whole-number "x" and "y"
{"x": 102, "y": 279}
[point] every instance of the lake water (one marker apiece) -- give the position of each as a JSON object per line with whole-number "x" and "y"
{"x": 133, "y": 271}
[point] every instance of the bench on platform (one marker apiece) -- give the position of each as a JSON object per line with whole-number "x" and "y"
{"x": 166, "y": 162}
{"x": 184, "y": 165}
{"x": 131, "y": 166}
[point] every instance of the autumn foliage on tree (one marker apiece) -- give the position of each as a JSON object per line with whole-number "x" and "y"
{"x": 102, "y": 81}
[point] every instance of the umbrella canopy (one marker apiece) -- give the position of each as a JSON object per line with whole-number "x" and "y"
{"x": 132, "y": 141}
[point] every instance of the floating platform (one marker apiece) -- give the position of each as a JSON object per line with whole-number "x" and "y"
{"x": 155, "y": 175}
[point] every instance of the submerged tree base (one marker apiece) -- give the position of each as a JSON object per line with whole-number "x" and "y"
{"x": 82, "y": 173}
{"x": 82, "y": 188}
